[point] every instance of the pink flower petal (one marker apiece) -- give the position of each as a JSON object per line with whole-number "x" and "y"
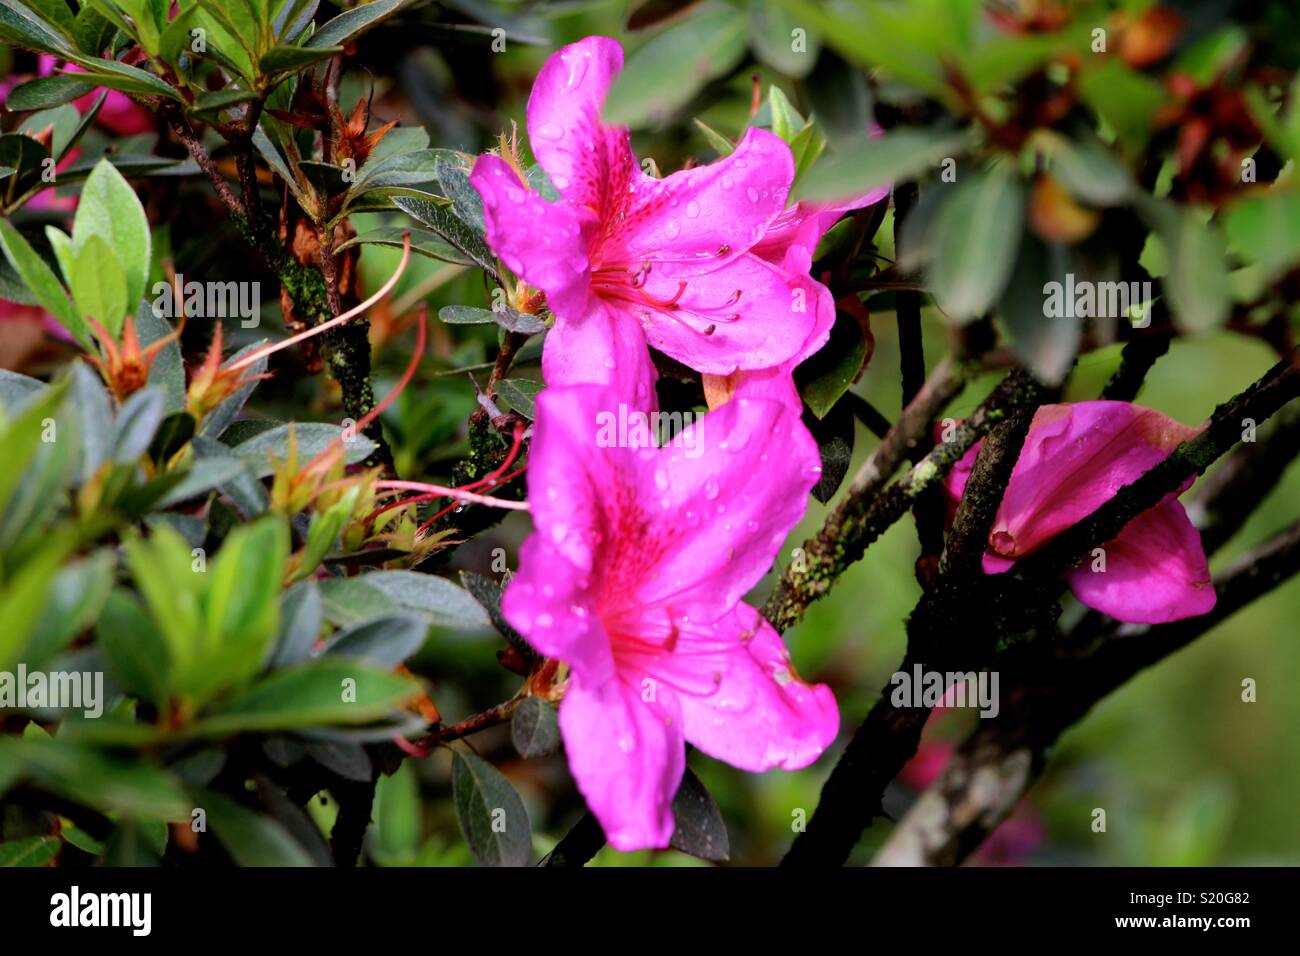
{"x": 591, "y": 164}
{"x": 713, "y": 509}
{"x": 601, "y": 347}
{"x": 627, "y": 755}
{"x": 543, "y": 242}
{"x": 1155, "y": 570}
{"x": 696, "y": 220}
{"x": 547, "y": 601}
{"x": 748, "y": 314}
{"x": 792, "y": 237}
{"x": 777, "y": 383}
{"x": 1075, "y": 458}
{"x": 761, "y": 715}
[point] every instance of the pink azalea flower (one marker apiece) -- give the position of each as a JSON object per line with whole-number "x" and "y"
{"x": 627, "y": 260}
{"x": 1075, "y": 458}
{"x": 789, "y": 242}
{"x": 634, "y": 578}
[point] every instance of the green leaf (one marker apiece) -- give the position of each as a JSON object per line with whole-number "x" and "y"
{"x": 520, "y": 394}
{"x": 826, "y": 376}
{"x": 397, "y": 816}
{"x": 168, "y": 370}
{"x": 99, "y": 284}
{"x": 454, "y": 180}
{"x": 262, "y": 451}
{"x": 243, "y": 602}
{"x": 130, "y": 844}
{"x": 700, "y": 830}
{"x": 440, "y": 220}
{"x": 21, "y": 154}
{"x": 173, "y": 434}
{"x": 137, "y": 421}
{"x": 491, "y": 815}
{"x": 73, "y": 603}
{"x": 870, "y": 162}
{"x": 1125, "y": 99}
{"x": 835, "y": 436}
{"x": 95, "y": 778}
{"x": 721, "y": 145}
{"x": 283, "y": 58}
{"x": 40, "y": 278}
{"x": 324, "y": 531}
{"x": 46, "y": 92}
{"x": 423, "y": 241}
{"x": 251, "y": 839}
{"x": 94, "y": 410}
{"x": 110, "y": 210}
{"x": 15, "y": 389}
{"x": 1265, "y": 229}
{"x": 134, "y": 650}
{"x": 301, "y": 618}
{"x": 30, "y": 851}
{"x": 487, "y": 592}
{"x": 382, "y": 641}
{"x": 692, "y": 52}
{"x": 326, "y": 692}
{"x": 1045, "y": 343}
{"x": 509, "y": 319}
{"x": 22, "y": 437}
{"x": 534, "y": 728}
{"x": 210, "y": 104}
{"x": 20, "y": 26}
{"x": 23, "y": 598}
{"x": 1196, "y": 279}
{"x": 978, "y": 235}
{"x": 94, "y": 32}
{"x": 62, "y": 121}
{"x": 771, "y": 34}
{"x": 349, "y": 25}
{"x": 1090, "y": 171}
{"x": 127, "y": 79}
{"x": 438, "y": 601}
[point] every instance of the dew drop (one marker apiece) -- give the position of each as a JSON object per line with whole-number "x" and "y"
{"x": 692, "y": 209}
{"x": 727, "y": 182}
{"x": 752, "y": 193}
{"x": 550, "y": 131}
{"x": 711, "y": 488}
{"x": 672, "y": 229}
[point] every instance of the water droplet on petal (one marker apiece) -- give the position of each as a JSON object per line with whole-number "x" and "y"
{"x": 550, "y": 131}
{"x": 692, "y": 209}
{"x": 545, "y": 620}
{"x": 672, "y": 229}
{"x": 752, "y": 193}
{"x": 711, "y": 488}
{"x": 727, "y": 182}
{"x": 560, "y": 182}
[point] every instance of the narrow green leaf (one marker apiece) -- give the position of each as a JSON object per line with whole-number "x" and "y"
{"x": 491, "y": 815}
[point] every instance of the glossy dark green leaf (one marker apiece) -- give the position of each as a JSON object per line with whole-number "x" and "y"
{"x": 520, "y": 394}
{"x": 828, "y": 374}
{"x": 701, "y": 831}
{"x": 692, "y": 51}
{"x": 46, "y": 92}
{"x": 534, "y": 728}
{"x": 491, "y": 815}
{"x": 978, "y": 236}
